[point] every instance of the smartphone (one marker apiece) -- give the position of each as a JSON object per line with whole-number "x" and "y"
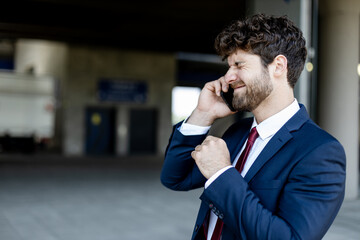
{"x": 228, "y": 98}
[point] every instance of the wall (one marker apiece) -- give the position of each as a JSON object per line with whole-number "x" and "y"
{"x": 86, "y": 65}
{"x": 77, "y": 70}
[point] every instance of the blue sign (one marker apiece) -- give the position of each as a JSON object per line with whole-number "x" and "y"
{"x": 122, "y": 91}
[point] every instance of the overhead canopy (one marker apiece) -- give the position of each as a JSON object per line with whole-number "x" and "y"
{"x": 183, "y": 25}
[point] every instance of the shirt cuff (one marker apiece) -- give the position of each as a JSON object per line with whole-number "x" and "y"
{"x": 216, "y": 175}
{"x": 187, "y": 129}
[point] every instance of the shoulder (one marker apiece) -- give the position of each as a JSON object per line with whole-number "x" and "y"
{"x": 314, "y": 134}
{"x": 303, "y": 129}
{"x": 316, "y": 146}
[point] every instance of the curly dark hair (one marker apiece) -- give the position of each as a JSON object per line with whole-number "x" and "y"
{"x": 267, "y": 37}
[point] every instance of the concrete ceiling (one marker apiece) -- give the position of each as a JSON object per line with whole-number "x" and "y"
{"x": 170, "y": 26}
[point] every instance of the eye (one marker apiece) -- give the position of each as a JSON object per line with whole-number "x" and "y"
{"x": 239, "y": 65}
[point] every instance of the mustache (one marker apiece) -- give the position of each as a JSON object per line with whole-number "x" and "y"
{"x": 237, "y": 84}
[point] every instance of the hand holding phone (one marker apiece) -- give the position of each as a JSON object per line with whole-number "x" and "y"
{"x": 228, "y": 98}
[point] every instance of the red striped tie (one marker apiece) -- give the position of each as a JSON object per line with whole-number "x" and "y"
{"x": 239, "y": 166}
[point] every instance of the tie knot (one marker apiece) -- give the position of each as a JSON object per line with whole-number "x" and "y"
{"x": 253, "y": 135}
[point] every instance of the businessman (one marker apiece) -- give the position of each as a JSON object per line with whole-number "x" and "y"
{"x": 274, "y": 176}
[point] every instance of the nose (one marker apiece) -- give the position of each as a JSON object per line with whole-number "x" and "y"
{"x": 230, "y": 76}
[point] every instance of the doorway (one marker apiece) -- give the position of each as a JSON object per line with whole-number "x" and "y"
{"x": 100, "y": 131}
{"x": 143, "y": 130}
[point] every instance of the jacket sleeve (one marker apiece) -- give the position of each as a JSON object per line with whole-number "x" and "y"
{"x": 179, "y": 170}
{"x": 307, "y": 206}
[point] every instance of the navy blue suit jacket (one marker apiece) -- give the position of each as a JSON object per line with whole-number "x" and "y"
{"x": 293, "y": 190}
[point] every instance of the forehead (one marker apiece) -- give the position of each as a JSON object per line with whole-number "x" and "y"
{"x": 241, "y": 57}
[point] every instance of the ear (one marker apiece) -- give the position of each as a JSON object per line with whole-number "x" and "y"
{"x": 280, "y": 66}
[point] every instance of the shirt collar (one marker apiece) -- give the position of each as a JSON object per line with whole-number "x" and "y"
{"x": 270, "y": 126}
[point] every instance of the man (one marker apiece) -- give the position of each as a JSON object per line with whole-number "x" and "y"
{"x": 274, "y": 176}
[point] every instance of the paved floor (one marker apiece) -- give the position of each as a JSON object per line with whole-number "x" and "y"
{"x": 107, "y": 202}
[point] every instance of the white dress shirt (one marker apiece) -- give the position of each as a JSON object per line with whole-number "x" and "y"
{"x": 266, "y": 130}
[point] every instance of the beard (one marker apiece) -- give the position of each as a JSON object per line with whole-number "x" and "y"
{"x": 256, "y": 92}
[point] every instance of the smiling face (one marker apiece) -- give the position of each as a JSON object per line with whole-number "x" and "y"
{"x": 249, "y": 79}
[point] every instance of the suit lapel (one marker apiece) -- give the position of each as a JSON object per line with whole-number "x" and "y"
{"x": 235, "y": 143}
{"x": 237, "y": 147}
{"x": 273, "y": 146}
{"x": 278, "y": 141}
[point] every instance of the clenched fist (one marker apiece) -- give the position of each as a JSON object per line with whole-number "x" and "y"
{"x": 211, "y": 156}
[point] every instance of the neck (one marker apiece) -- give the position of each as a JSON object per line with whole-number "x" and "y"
{"x": 273, "y": 104}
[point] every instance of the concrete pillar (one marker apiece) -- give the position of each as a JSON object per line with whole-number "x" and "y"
{"x": 339, "y": 82}
{"x": 303, "y": 84}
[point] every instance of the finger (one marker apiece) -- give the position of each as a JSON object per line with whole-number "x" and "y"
{"x": 210, "y": 138}
{"x": 224, "y": 84}
{"x": 194, "y": 155}
{"x": 198, "y": 148}
{"x": 207, "y": 140}
{"x": 210, "y": 86}
{"x": 217, "y": 86}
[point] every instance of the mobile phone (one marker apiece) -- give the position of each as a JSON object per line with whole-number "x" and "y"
{"x": 228, "y": 98}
